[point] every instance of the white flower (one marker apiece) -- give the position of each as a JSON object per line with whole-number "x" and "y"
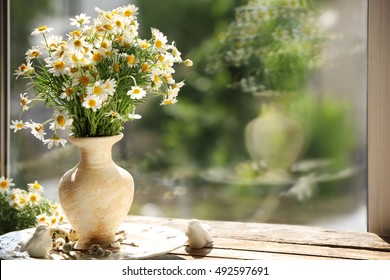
{"x": 92, "y": 102}
{"x": 67, "y": 91}
{"x": 55, "y": 141}
{"x": 136, "y": 92}
{"x": 24, "y": 101}
{"x": 33, "y": 198}
{"x": 32, "y": 53}
{"x": 17, "y": 125}
{"x": 129, "y": 11}
{"x": 41, "y": 30}
{"x": 5, "y": 184}
{"x": 169, "y": 101}
{"x": 24, "y": 70}
{"x": 133, "y": 116}
{"x": 43, "y": 218}
{"x": 37, "y": 129}
{"x": 155, "y": 77}
{"x": 61, "y": 121}
{"x": 113, "y": 115}
{"x": 35, "y": 187}
{"x": 98, "y": 89}
{"x": 109, "y": 86}
{"x": 80, "y": 20}
{"x": 56, "y": 66}
{"x": 54, "y": 42}
{"x": 160, "y": 41}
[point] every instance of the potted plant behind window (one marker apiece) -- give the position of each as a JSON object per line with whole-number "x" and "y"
{"x": 272, "y": 47}
{"x": 93, "y": 79}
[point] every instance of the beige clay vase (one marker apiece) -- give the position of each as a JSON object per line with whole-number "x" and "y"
{"x": 96, "y": 195}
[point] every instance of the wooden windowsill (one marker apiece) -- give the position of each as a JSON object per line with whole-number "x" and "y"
{"x": 254, "y": 241}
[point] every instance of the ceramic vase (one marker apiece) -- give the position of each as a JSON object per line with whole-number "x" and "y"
{"x": 96, "y": 195}
{"x": 274, "y": 140}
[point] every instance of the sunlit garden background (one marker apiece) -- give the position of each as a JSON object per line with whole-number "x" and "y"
{"x": 270, "y": 127}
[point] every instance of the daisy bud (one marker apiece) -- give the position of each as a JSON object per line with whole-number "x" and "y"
{"x": 188, "y": 62}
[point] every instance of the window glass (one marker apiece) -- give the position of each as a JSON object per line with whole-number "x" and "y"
{"x": 270, "y": 127}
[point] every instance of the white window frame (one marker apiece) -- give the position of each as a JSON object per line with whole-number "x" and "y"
{"x": 378, "y": 109}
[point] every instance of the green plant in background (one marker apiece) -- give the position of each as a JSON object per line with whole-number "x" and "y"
{"x": 271, "y": 45}
{"x": 21, "y": 209}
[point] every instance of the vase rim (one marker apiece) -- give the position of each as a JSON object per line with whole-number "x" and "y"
{"x": 113, "y": 138}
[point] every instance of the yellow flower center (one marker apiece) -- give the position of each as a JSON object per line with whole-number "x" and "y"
{"x": 42, "y": 219}
{"x": 34, "y": 53}
{"x": 22, "y": 200}
{"x": 19, "y": 125}
{"x": 42, "y": 28}
{"x": 144, "y": 45}
{"x": 75, "y": 33}
{"x": 167, "y": 102}
{"x": 92, "y": 103}
{"x": 155, "y": 79}
{"x": 37, "y": 186}
{"x": 59, "y": 65}
{"x": 119, "y": 38}
{"x": 69, "y": 91}
{"x": 117, "y": 67}
{"x": 159, "y": 44}
{"x": 77, "y": 43}
{"x": 61, "y": 120}
{"x": 118, "y": 23}
{"x": 104, "y": 45}
{"x": 97, "y": 90}
{"x": 84, "y": 80}
{"x": 24, "y": 101}
{"x": 161, "y": 58}
{"x": 145, "y": 67}
{"x": 137, "y": 91}
{"x": 97, "y": 56}
{"x": 23, "y": 67}
{"x": 38, "y": 128}
{"x": 107, "y": 26}
{"x": 53, "y": 220}
{"x": 127, "y": 13}
{"x": 33, "y": 198}
{"x": 130, "y": 59}
{"x": 73, "y": 70}
{"x": 4, "y": 184}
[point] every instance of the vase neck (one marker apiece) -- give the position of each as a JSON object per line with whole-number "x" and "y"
{"x": 95, "y": 152}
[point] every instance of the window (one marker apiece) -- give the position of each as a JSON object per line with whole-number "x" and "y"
{"x": 161, "y": 191}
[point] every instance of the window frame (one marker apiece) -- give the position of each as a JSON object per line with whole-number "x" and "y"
{"x": 378, "y": 137}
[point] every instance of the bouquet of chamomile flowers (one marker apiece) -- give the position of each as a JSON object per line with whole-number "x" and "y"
{"x": 96, "y": 76}
{"x": 20, "y": 209}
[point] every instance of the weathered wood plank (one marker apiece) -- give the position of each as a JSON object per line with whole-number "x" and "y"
{"x": 290, "y": 234}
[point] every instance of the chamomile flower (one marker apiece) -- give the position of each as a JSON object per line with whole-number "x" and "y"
{"x": 169, "y": 101}
{"x": 37, "y": 129}
{"x": 35, "y": 187}
{"x": 33, "y": 197}
{"x": 43, "y": 219}
{"x": 134, "y": 116}
{"x": 53, "y": 42}
{"x": 80, "y": 20}
{"x": 92, "y": 102}
{"x": 17, "y": 125}
{"x": 160, "y": 41}
{"x": 5, "y": 184}
{"x": 109, "y": 86}
{"x": 131, "y": 60}
{"x": 41, "y": 30}
{"x": 24, "y": 101}
{"x": 53, "y": 220}
{"x": 155, "y": 77}
{"x": 32, "y": 53}
{"x": 24, "y": 69}
{"x": 129, "y": 11}
{"x": 56, "y": 66}
{"x": 55, "y": 141}
{"x": 61, "y": 121}
{"x": 97, "y": 89}
{"x": 113, "y": 115}
{"x": 81, "y": 78}
{"x": 136, "y": 93}
{"x": 67, "y": 91}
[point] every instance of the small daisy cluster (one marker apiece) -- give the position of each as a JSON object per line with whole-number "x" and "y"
{"x": 276, "y": 44}
{"x": 21, "y": 209}
{"x": 97, "y": 74}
